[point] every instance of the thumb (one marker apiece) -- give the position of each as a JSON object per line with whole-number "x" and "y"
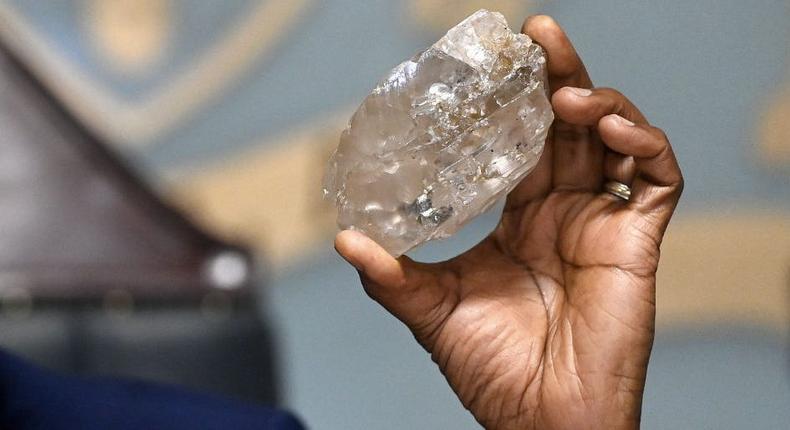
{"x": 418, "y": 294}
{"x": 371, "y": 260}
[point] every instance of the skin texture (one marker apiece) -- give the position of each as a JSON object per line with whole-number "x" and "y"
{"x": 548, "y": 323}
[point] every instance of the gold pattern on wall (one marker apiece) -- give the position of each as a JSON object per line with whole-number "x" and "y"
{"x": 440, "y": 15}
{"x": 726, "y": 267}
{"x": 129, "y": 36}
{"x": 267, "y": 197}
{"x": 774, "y": 139}
{"x": 137, "y": 122}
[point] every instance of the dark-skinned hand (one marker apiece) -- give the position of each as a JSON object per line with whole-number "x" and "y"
{"x": 548, "y": 323}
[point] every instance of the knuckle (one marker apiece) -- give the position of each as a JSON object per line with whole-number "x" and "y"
{"x": 609, "y": 91}
{"x": 617, "y": 102}
{"x": 658, "y": 140}
{"x": 660, "y": 134}
{"x": 681, "y": 183}
{"x": 611, "y": 94}
{"x": 613, "y": 101}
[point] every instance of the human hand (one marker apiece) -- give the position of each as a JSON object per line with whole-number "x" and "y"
{"x": 548, "y": 322}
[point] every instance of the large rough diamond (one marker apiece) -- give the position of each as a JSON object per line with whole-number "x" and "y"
{"x": 443, "y": 136}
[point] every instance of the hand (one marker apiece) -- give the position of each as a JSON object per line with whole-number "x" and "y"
{"x": 548, "y": 322}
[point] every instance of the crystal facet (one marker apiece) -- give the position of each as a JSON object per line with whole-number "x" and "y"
{"x": 443, "y": 136}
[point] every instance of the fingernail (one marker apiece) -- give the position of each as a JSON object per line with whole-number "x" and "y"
{"x": 623, "y": 121}
{"x": 581, "y": 92}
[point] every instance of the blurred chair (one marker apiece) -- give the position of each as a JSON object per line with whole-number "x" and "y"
{"x": 98, "y": 276}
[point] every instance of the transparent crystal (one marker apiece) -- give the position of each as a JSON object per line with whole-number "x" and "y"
{"x": 443, "y": 136}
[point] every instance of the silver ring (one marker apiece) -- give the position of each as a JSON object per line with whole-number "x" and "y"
{"x": 618, "y": 189}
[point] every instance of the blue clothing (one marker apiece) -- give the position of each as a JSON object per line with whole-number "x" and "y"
{"x": 32, "y": 398}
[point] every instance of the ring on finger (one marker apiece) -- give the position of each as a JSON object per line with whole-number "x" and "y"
{"x": 618, "y": 189}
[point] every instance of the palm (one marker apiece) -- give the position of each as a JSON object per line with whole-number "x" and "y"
{"x": 522, "y": 298}
{"x": 548, "y": 322}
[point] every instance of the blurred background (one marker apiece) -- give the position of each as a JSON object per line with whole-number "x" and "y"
{"x": 160, "y": 210}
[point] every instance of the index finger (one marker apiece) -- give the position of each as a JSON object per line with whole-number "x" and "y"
{"x": 565, "y": 67}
